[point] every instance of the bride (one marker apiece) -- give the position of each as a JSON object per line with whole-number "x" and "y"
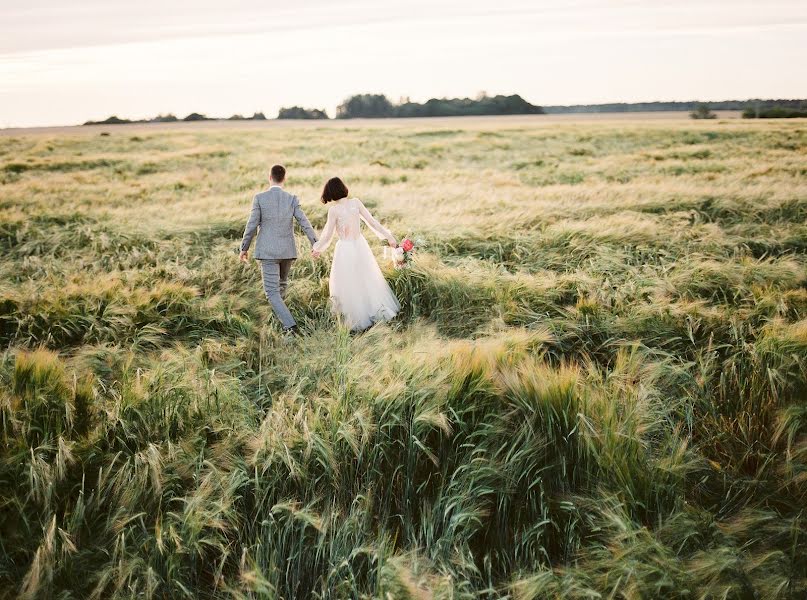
{"x": 359, "y": 292}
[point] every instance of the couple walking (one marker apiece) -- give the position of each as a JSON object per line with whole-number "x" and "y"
{"x": 359, "y": 293}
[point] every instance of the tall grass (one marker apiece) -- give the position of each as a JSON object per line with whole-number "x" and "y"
{"x": 595, "y": 388}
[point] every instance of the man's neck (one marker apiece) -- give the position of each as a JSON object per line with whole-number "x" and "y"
{"x": 275, "y": 184}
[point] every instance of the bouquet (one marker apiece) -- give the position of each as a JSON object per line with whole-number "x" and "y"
{"x": 402, "y": 254}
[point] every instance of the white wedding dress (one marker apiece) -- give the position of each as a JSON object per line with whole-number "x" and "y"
{"x": 359, "y": 293}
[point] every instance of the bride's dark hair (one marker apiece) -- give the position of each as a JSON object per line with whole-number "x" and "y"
{"x": 335, "y": 189}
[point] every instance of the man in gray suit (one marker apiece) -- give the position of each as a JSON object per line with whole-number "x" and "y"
{"x": 273, "y": 214}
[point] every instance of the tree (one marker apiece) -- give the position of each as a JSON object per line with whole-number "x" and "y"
{"x": 371, "y": 106}
{"x": 702, "y": 112}
{"x": 298, "y": 112}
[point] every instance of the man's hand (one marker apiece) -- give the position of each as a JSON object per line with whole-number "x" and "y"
{"x": 315, "y": 254}
{"x": 243, "y": 256}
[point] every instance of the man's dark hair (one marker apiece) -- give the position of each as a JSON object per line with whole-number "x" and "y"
{"x": 335, "y": 189}
{"x": 278, "y": 173}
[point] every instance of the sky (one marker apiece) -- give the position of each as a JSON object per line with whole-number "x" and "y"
{"x": 63, "y": 63}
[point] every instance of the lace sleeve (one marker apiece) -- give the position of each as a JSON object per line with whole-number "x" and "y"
{"x": 327, "y": 232}
{"x": 381, "y": 231}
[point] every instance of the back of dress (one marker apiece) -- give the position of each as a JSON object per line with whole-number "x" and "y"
{"x": 344, "y": 219}
{"x": 348, "y": 222}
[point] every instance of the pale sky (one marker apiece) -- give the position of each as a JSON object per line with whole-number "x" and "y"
{"x": 65, "y": 62}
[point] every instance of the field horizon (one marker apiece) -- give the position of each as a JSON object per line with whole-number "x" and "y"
{"x": 596, "y": 386}
{"x": 473, "y": 121}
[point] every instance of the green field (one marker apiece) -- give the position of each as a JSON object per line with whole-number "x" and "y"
{"x": 596, "y": 388}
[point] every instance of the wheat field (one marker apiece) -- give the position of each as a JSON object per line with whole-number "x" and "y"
{"x": 596, "y": 388}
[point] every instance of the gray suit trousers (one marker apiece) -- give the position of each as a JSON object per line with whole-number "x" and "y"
{"x": 275, "y": 278}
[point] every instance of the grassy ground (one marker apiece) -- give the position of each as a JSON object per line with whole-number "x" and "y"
{"x": 596, "y": 387}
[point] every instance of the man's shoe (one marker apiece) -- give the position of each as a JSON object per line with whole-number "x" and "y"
{"x": 292, "y": 331}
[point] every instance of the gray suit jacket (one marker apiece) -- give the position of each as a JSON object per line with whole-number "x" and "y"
{"x": 273, "y": 214}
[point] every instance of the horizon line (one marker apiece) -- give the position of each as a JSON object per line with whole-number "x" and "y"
{"x": 145, "y": 121}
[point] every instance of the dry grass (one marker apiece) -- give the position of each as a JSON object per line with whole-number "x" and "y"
{"x": 596, "y": 386}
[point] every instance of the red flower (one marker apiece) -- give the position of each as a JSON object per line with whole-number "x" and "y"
{"x": 407, "y": 245}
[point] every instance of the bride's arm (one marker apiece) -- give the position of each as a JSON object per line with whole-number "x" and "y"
{"x": 327, "y": 232}
{"x": 381, "y": 231}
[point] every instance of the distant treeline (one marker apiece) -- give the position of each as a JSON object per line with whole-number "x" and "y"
{"x": 169, "y": 118}
{"x": 378, "y": 106}
{"x": 775, "y": 112}
{"x": 676, "y": 106}
{"x": 375, "y": 106}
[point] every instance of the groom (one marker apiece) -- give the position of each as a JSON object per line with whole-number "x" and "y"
{"x": 272, "y": 216}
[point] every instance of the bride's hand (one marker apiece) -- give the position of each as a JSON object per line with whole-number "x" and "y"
{"x": 392, "y": 243}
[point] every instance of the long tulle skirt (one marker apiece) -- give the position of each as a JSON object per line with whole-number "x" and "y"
{"x": 359, "y": 293}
